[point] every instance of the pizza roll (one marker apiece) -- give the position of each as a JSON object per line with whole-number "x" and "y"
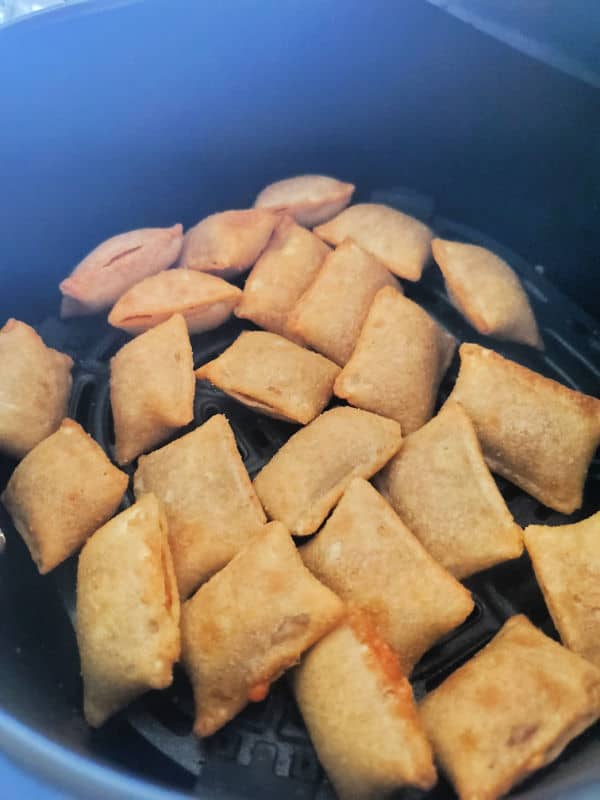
{"x": 310, "y": 199}
{"x": 204, "y": 301}
{"x": 274, "y": 376}
{"x": 61, "y": 492}
{"x": 116, "y": 265}
{"x": 440, "y": 486}
{"x": 211, "y": 507}
{"x": 249, "y": 623}
{"x": 367, "y": 556}
{"x": 283, "y": 272}
{"x": 34, "y": 388}
{"x": 510, "y": 710}
{"x": 308, "y": 475}
{"x": 329, "y": 315}
{"x": 361, "y": 715}
{"x": 537, "y": 433}
{"x": 127, "y": 610}
{"x": 400, "y": 242}
{"x": 566, "y": 561}
{"x": 487, "y": 292}
{"x": 399, "y": 360}
{"x": 152, "y": 388}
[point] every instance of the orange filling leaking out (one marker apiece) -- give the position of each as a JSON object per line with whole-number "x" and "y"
{"x": 258, "y": 692}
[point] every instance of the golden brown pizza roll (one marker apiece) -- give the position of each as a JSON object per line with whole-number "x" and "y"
{"x": 367, "y": 556}
{"x": 273, "y": 376}
{"x": 61, "y": 492}
{"x": 35, "y": 385}
{"x": 308, "y": 475}
{"x": 361, "y": 715}
{"x": 283, "y": 272}
{"x": 127, "y": 610}
{"x": 329, "y": 315}
{"x": 486, "y": 291}
{"x": 152, "y": 388}
{"x": 510, "y": 710}
{"x": 566, "y": 560}
{"x": 310, "y": 199}
{"x": 204, "y": 301}
{"x": 211, "y": 507}
{"x": 116, "y": 265}
{"x": 249, "y": 623}
{"x": 400, "y": 242}
{"x": 440, "y": 486}
{"x": 398, "y": 362}
{"x": 537, "y": 433}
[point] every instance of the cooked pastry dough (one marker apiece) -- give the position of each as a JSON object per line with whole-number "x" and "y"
{"x": 487, "y": 292}
{"x": 534, "y": 431}
{"x": 34, "y": 388}
{"x": 152, "y": 388}
{"x": 398, "y": 362}
{"x": 441, "y": 488}
{"x": 510, "y": 710}
{"x": 61, "y": 492}
{"x": 249, "y": 623}
{"x": 209, "y": 501}
{"x": 310, "y": 199}
{"x": 369, "y": 558}
{"x": 308, "y": 475}
{"x": 127, "y": 610}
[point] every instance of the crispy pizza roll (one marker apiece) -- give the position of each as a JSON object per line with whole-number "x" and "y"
{"x": 273, "y": 376}
{"x": 400, "y": 242}
{"x": 152, "y": 388}
{"x": 283, "y": 272}
{"x": 367, "y": 556}
{"x": 249, "y": 623}
{"x": 329, "y": 315}
{"x": 127, "y": 610}
{"x": 361, "y": 715}
{"x": 566, "y": 561}
{"x": 486, "y": 291}
{"x": 510, "y": 710}
{"x": 308, "y": 475}
{"x": 61, "y": 492}
{"x": 211, "y": 507}
{"x": 310, "y": 199}
{"x": 116, "y": 265}
{"x": 534, "y": 431}
{"x": 399, "y": 360}
{"x": 440, "y": 486}
{"x": 204, "y": 301}
{"x": 35, "y": 385}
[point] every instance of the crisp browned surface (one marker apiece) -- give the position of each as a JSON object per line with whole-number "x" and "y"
{"x": 310, "y": 199}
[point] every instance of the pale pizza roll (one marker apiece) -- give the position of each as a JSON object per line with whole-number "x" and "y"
{"x": 61, "y": 492}
{"x": 400, "y": 242}
{"x": 566, "y": 561}
{"x": 127, "y": 610}
{"x": 398, "y": 362}
{"x": 360, "y": 713}
{"x": 204, "y": 301}
{"x": 367, "y": 556}
{"x": 487, "y": 292}
{"x": 152, "y": 388}
{"x": 211, "y": 506}
{"x": 537, "y": 433}
{"x": 510, "y": 710}
{"x": 310, "y": 199}
{"x": 308, "y": 475}
{"x": 35, "y": 384}
{"x": 116, "y": 265}
{"x": 249, "y": 623}
{"x": 329, "y": 315}
{"x": 274, "y": 376}
{"x": 440, "y": 486}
